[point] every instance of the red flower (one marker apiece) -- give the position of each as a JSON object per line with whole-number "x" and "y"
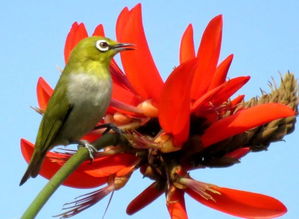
{"x": 170, "y": 124}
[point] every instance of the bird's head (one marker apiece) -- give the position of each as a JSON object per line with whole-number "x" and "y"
{"x": 98, "y": 49}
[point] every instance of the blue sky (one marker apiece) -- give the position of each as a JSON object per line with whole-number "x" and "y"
{"x": 263, "y": 36}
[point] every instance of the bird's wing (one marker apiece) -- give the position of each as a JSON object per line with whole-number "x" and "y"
{"x": 57, "y": 113}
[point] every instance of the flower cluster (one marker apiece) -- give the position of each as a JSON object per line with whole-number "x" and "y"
{"x": 187, "y": 122}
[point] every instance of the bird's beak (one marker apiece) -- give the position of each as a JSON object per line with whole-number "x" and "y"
{"x": 123, "y": 46}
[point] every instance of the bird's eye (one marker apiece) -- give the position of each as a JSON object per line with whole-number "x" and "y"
{"x": 102, "y": 45}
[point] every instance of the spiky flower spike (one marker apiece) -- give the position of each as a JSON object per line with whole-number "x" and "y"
{"x": 170, "y": 128}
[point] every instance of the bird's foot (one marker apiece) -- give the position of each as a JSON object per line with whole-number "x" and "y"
{"x": 109, "y": 126}
{"x": 91, "y": 149}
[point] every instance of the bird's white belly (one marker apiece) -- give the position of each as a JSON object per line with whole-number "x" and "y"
{"x": 89, "y": 96}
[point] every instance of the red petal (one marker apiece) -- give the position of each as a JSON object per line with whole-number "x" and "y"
{"x": 108, "y": 165}
{"x": 44, "y": 92}
{"x": 122, "y": 21}
{"x": 221, "y": 72}
{"x": 244, "y": 120}
{"x": 237, "y": 100}
{"x": 124, "y": 95}
{"x": 238, "y": 153}
{"x": 208, "y": 54}
{"x": 118, "y": 106}
{"x": 138, "y": 64}
{"x": 81, "y": 178}
{"x": 229, "y": 88}
{"x": 144, "y": 198}
{"x": 119, "y": 77}
{"x": 174, "y": 107}
{"x": 220, "y": 94}
{"x": 99, "y": 31}
{"x": 242, "y": 204}
{"x": 187, "y": 45}
{"x": 77, "y": 33}
{"x": 176, "y": 204}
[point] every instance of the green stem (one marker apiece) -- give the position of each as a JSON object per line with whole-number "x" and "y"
{"x": 70, "y": 166}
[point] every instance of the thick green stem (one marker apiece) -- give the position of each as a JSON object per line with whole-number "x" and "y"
{"x": 70, "y": 166}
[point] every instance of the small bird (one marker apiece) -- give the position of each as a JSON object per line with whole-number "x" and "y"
{"x": 79, "y": 101}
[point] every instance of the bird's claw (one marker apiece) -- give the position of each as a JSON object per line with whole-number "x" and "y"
{"x": 109, "y": 126}
{"x": 91, "y": 149}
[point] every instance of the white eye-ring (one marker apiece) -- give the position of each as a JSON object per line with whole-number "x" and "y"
{"x": 102, "y": 45}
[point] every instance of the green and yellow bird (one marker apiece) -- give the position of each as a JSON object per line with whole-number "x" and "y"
{"x": 79, "y": 101}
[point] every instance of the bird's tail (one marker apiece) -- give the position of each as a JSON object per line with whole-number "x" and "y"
{"x": 33, "y": 167}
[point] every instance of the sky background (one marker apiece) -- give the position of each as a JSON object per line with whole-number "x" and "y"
{"x": 263, "y": 36}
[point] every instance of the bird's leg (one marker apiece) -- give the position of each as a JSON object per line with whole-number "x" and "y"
{"x": 91, "y": 149}
{"x": 109, "y": 126}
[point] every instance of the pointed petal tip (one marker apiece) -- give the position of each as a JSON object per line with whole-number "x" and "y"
{"x": 187, "y": 50}
{"x": 146, "y": 197}
{"x": 218, "y": 18}
{"x": 99, "y": 30}
{"x": 139, "y": 6}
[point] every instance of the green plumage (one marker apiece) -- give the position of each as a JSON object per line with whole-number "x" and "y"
{"x": 80, "y": 98}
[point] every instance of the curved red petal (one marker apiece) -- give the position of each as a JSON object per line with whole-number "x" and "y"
{"x": 230, "y": 87}
{"x": 242, "y": 204}
{"x": 122, "y": 22}
{"x": 138, "y": 64}
{"x": 208, "y": 55}
{"x": 237, "y": 100}
{"x": 77, "y": 33}
{"x": 99, "y": 31}
{"x": 144, "y": 198}
{"x": 119, "y": 77}
{"x": 176, "y": 204}
{"x": 54, "y": 161}
{"x": 219, "y": 94}
{"x": 244, "y": 120}
{"x": 88, "y": 175}
{"x": 44, "y": 92}
{"x": 238, "y": 153}
{"x": 108, "y": 165}
{"x": 68, "y": 46}
{"x": 124, "y": 95}
{"x": 174, "y": 107}
{"x": 187, "y": 51}
{"x": 221, "y": 72}
{"x": 127, "y": 109}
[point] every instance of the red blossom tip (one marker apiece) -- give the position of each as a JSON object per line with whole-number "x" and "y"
{"x": 208, "y": 55}
{"x": 221, "y": 72}
{"x": 144, "y": 198}
{"x": 76, "y": 34}
{"x": 187, "y": 45}
{"x": 44, "y": 92}
{"x": 99, "y": 30}
{"x": 238, "y": 153}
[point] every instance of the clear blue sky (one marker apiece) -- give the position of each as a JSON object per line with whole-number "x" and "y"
{"x": 263, "y": 35}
